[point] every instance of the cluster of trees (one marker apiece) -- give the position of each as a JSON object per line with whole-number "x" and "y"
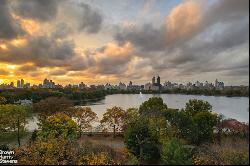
{"x": 162, "y": 135}
{"x": 36, "y": 95}
{"x": 153, "y": 133}
{"x": 207, "y": 92}
{"x": 13, "y": 118}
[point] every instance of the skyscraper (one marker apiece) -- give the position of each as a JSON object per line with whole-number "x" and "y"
{"x": 153, "y": 80}
{"x": 18, "y": 84}
{"x": 158, "y": 80}
{"x": 22, "y": 83}
{"x": 216, "y": 83}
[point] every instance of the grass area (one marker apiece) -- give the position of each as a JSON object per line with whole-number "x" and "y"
{"x": 116, "y": 143}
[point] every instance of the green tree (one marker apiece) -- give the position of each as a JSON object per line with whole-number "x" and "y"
{"x": 174, "y": 153}
{"x": 142, "y": 141}
{"x": 131, "y": 116}
{"x": 182, "y": 124}
{"x": 195, "y": 124}
{"x": 205, "y": 122}
{"x": 194, "y": 106}
{"x": 152, "y": 107}
{"x": 114, "y": 118}
{"x": 58, "y": 125}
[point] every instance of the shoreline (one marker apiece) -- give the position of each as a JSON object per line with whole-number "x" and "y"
{"x": 219, "y": 95}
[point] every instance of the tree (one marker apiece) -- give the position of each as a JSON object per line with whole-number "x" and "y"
{"x": 194, "y": 106}
{"x": 52, "y": 105}
{"x": 142, "y": 141}
{"x": 56, "y": 151}
{"x": 13, "y": 118}
{"x": 58, "y": 125}
{"x": 131, "y": 116}
{"x": 204, "y": 120}
{"x": 2, "y": 100}
{"x": 114, "y": 118}
{"x": 84, "y": 117}
{"x": 196, "y": 123}
{"x": 174, "y": 153}
{"x": 152, "y": 107}
{"x": 96, "y": 159}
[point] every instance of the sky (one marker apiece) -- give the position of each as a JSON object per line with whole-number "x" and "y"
{"x": 95, "y": 42}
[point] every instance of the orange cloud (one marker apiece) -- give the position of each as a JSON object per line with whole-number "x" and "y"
{"x": 28, "y": 25}
{"x": 3, "y": 46}
{"x": 183, "y": 20}
{"x": 18, "y": 42}
{"x": 113, "y": 49}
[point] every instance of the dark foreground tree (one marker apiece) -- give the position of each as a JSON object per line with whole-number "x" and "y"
{"x": 142, "y": 141}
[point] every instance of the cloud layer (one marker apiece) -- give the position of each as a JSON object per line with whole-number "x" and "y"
{"x": 67, "y": 41}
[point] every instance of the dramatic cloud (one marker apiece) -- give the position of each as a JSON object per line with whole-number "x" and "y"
{"x": 192, "y": 39}
{"x": 91, "y": 20}
{"x": 183, "y": 21}
{"x": 41, "y": 50}
{"x": 89, "y": 41}
{"x": 113, "y": 58}
{"x": 147, "y": 38}
{"x": 36, "y": 9}
{"x": 88, "y": 19}
{"x": 8, "y": 27}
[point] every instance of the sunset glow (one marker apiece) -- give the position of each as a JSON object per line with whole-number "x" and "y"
{"x": 96, "y": 42}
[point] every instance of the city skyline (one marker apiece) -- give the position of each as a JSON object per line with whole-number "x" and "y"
{"x": 157, "y": 81}
{"x": 96, "y": 42}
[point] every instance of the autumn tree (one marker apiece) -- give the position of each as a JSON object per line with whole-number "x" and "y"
{"x": 114, "y": 118}
{"x": 13, "y": 118}
{"x": 96, "y": 159}
{"x": 53, "y": 151}
{"x": 52, "y": 105}
{"x": 58, "y": 125}
{"x": 2, "y": 100}
{"x": 84, "y": 117}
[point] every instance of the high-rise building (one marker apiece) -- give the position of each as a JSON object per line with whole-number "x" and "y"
{"x": 153, "y": 80}
{"x": 216, "y": 83}
{"x": 22, "y": 83}
{"x": 18, "y": 84}
{"x": 158, "y": 80}
{"x": 130, "y": 83}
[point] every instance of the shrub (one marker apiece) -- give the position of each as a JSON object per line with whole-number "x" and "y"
{"x": 174, "y": 153}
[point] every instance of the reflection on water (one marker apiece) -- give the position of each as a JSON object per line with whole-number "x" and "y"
{"x": 230, "y": 107}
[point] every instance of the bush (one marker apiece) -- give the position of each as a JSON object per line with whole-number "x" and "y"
{"x": 218, "y": 155}
{"x": 236, "y": 158}
{"x": 95, "y": 159}
{"x": 174, "y": 153}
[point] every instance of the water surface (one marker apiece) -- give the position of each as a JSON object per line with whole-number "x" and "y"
{"x": 231, "y": 107}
